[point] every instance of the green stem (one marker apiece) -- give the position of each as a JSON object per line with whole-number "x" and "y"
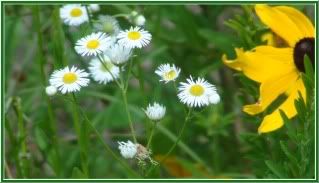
{"x": 52, "y": 124}
{"x": 106, "y": 146}
{"x": 89, "y": 15}
{"x": 128, "y": 115}
{"x": 81, "y": 137}
{"x": 102, "y": 61}
{"x": 187, "y": 118}
{"x": 23, "y": 154}
{"x": 151, "y": 135}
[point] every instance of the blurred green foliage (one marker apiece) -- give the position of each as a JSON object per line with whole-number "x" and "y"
{"x": 193, "y": 37}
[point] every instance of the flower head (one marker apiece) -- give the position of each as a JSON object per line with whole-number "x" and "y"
{"x": 134, "y": 37}
{"x": 127, "y": 149}
{"x": 107, "y": 24}
{"x": 277, "y": 69}
{"x": 168, "y": 72}
{"x": 50, "y": 90}
{"x": 94, "y": 7}
{"x": 197, "y": 93}
{"x": 69, "y": 79}
{"x": 119, "y": 54}
{"x": 103, "y": 73}
{"x": 73, "y": 14}
{"x": 139, "y": 20}
{"x": 93, "y": 44}
{"x": 155, "y": 112}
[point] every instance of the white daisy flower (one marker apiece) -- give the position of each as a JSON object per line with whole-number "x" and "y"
{"x": 168, "y": 72}
{"x": 93, "y": 44}
{"x": 128, "y": 150}
{"x": 139, "y": 20}
{"x": 134, "y": 37}
{"x": 50, "y": 90}
{"x": 94, "y": 7}
{"x": 69, "y": 80}
{"x": 101, "y": 74}
{"x": 73, "y": 14}
{"x": 155, "y": 112}
{"x": 197, "y": 93}
{"x": 119, "y": 54}
{"x": 107, "y": 24}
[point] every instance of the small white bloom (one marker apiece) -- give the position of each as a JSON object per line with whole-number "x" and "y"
{"x": 73, "y": 14}
{"x": 139, "y": 20}
{"x": 94, "y": 7}
{"x": 50, "y": 90}
{"x": 155, "y": 112}
{"x": 214, "y": 98}
{"x": 134, "y": 13}
{"x": 197, "y": 93}
{"x": 128, "y": 150}
{"x": 69, "y": 80}
{"x": 93, "y": 44}
{"x": 168, "y": 72}
{"x": 107, "y": 24}
{"x": 134, "y": 37}
{"x": 119, "y": 54}
{"x": 101, "y": 74}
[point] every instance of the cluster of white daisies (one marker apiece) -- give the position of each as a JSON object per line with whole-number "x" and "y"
{"x": 109, "y": 49}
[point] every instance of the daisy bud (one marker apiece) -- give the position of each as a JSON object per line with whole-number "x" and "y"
{"x": 155, "y": 112}
{"x": 139, "y": 20}
{"x": 50, "y": 90}
{"x": 94, "y": 7}
{"x": 214, "y": 98}
{"x": 127, "y": 149}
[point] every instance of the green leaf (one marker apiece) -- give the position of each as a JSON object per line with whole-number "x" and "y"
{"x": 41, "y": 138}
{"x": 309, "y": 68}
{"x": 78, "y": 174}
{"x": 291, "y": 132}
{"x": 275, "y": 169}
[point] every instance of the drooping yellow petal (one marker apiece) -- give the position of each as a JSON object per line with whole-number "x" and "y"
{"x": 269, "y": 38}
{"x": 302, "y": 22}
{"x": 283, "y": 21}
{"x": 263, "y": 62}
{"x": 274, "y": 121}
{"x": 270, "y": 90}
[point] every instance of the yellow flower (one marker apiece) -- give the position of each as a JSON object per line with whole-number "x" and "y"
{"x": 277, "y": 69}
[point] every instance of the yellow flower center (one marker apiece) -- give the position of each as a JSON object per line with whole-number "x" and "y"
{"x": 69, "y": 78}
{"x": 76, "y": 12}
{"x": 170, "y": 75}
{"x": 134, "y": 35}
{"x": 93, "y": 44}
{"x": 197, "y": 90}
{"x": 108, "y": 66}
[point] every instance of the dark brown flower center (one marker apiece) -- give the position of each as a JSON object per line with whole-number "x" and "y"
{"x": 304, "y": 47}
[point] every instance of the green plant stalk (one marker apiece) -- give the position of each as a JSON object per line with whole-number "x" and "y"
{"x": 80, "y": 136}
{"x": 123, "y": 89}
{"x": 187, "y": 118}
{"x": 152, "y": 134}
{"x": 123, "y": 92}
{"x": 23, "y": 154}
{"x": 89, "y": 15}
{"x": 107, "y": 148}
{"x": 14, "y": 142}
{"x": 52, "y": 124}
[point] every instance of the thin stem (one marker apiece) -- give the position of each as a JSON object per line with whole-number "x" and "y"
{"x": 151, "y": 135}
{"x": 128, "y": 75}
{"x": 128, "y": 115}
{"x": 187, "y": 118}
{"x": 106, "y": 146}
{"x": 101, "y": 59}
{"x": 120, "y": 15}
{"x": 89, "y": 15}
{"x": 80, "y": 136}
{"x": 9, "y": 174}
{"x": 52, "y": 124}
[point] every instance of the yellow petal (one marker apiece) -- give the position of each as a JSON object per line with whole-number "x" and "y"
{"x": 263, "y": 63}
{"x": 270, "y": 90}
{"x": 274, "y": 121}
{"x": 284, "y": 22}
{"x": 302, "y": 22}
{"x": 269, "y": 38}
